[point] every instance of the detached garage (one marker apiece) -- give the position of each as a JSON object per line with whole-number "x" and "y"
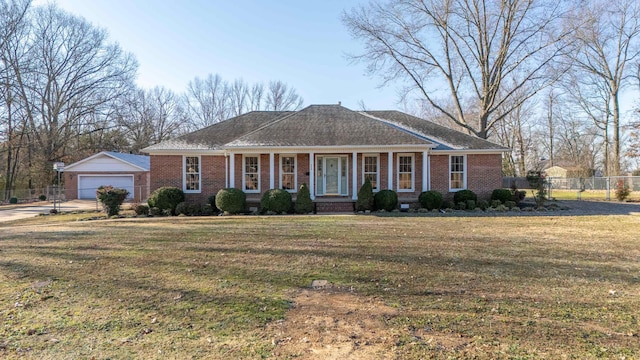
{"x": 126, "y": 171}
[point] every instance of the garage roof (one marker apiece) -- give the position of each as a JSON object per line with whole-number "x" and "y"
{"x": 140, "y": 162}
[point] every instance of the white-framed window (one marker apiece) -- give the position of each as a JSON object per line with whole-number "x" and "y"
{"x": 251, "y": 173}
{"x": 405, "y": 172}
{"x": 191, "y": 173}
{"x": 457, "y": 172}
{"x": 370, "y": 170}
{"x": 288, "y": 178}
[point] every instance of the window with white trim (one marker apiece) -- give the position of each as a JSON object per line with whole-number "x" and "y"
{"x": 405, "y": 172}
{"x": 251, "y": 174}
{"x": 288, "y": 173}
{"x": 370, "y": 166}
{"x": 457, "y": 175}
{"x": 192, "y": 174}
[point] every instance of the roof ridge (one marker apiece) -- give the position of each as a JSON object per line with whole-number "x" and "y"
{"x": 409, "y": 130}
{"x": 274, "y": 121}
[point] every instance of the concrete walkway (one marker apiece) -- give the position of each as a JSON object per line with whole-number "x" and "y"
{"x": 16, "y": 212}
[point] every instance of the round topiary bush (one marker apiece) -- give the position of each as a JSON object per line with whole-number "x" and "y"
{"x": 42, "y": 197}
{"x": 430, "y": 199}
{"x": 464, "y": 195}
{"x": 142, "y": 209}
{"x": 166, "y": 198}
{"x": 503, "y": 195}
{"x": 231, "y": 200}
{"x": 386, "y": 200}
{"x": 276, "y": 200}
{"x": 365, "y": 197}
{"x": 303, "y": 205}
{"x": 13, "y": 200}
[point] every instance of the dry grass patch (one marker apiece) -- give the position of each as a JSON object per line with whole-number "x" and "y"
{"x": 237, "y": 287}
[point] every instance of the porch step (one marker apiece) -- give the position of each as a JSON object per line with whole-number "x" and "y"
{"x": 324, "y": 207}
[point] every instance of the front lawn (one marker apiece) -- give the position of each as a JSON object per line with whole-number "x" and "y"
{"x": 239, "y": 287}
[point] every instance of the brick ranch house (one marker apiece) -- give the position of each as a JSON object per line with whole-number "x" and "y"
{"x": 330, "y": 148}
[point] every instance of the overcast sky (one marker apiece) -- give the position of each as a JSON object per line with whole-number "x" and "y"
{"x": 300, "y": 42}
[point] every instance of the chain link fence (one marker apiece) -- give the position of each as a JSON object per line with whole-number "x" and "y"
{"x": 592, "y": 188}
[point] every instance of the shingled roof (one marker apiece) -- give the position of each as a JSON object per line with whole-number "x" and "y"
{"x": 324, "y": 126}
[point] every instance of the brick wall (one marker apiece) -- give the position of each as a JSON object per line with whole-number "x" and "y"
{"x": 484, "y": 173}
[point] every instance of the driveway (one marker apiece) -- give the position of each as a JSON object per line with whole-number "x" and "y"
{"x": 9, "y": 213}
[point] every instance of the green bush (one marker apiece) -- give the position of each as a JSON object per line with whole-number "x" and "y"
{"x": 430, "y": 199}
{"x": 471, "y": 204}
{"x": 510, "y": 204}
{"x": 111, "y": 198}
{"x": 231, "y": 200}
{"x": 447, "y": 204}
{"x": 187, "y": 209}
{"x": 212, "y": 203}
{"x": 503, "y": 195}
{"x": 495, "y": 203}
{"x": 13, "y": 200}
{"x": 275, "y": 200}
{"x": 154, "y": 211}
{"x": 464, "y": 195}
{"x": 166, "y": 198}
{"x": 462, "y": 205}
{"x": 386, "y": 200}
{"x": 365, "y": 197}
{"x": 42, "y": 197}
{"x": 483, "y": 204}
{"x": 303, "y": 205}
{"x": 142, "y": 210}
{"x": 207, "y": 210}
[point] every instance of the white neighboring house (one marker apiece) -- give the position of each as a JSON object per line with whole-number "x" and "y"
{"x": 127, "y": 171}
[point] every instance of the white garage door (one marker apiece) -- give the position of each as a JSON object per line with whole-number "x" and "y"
{"x": 87, "y": 185}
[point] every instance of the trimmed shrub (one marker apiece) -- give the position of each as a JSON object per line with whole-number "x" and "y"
{"x": 510, "y": 204}
{"x": 275, "y": 200}
{"x": 483, "y": 204}
{"x": 495, "y": 203}
{"x": 142, "y": 210}
{"x": 166, "y": 198}
{"x": 365, "y": 197}
{"x": 111, "y": 198}
{"x": 503, "y": 195}
{"x": 462, "y": 205}
{"x": 231, "y": 200}
{"x": 42, "y": 197}
{"x": 471, "y": 204}
{"x": 386, "y": 200}
{"x": 448, "y": 204}
{"x": 207, "y": 210}
{"x": 184, "y": 208}
{"x": 303, "y": 205}
{"x": 430, "y": 199}
{"x": 13, "y": 200}
{"x": 464, "y": 195}
{"x": 154, "y": 211}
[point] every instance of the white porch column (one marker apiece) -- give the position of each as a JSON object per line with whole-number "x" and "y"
{"x": 272, "y": 180}
{"x": 232, "y": 170}
{"x": 390, "y": 169}
{"x": 354, "y": 171}
{"x": 425, "y": 171}
{"x": 312, "y": 175}
{"x": 226, "y": 171}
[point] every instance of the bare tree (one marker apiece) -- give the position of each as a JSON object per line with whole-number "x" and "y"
{"x": 149, "y": 117}
{"x": 608, "y": 35}
{"x": 207, "y": 101}
{"x": 71, "y": 72}
{"x": 468, "y": 47}
{"x": 280, "y": 97}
